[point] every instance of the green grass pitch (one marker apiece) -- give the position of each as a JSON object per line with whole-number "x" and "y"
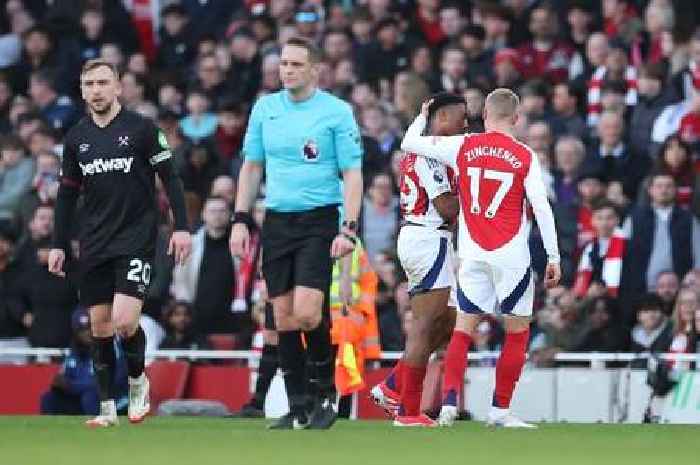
{"x": 205, "y": 441}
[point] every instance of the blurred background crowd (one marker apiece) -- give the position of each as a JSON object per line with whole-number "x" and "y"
{"x": 610, "y": 96}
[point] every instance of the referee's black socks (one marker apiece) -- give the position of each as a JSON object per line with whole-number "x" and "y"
{"x": 269, "y": 361}
{"x": 293, "y": 363}
{"x": 135, "y": 351}
{"x": 104, "y": 360}
{"x": 319, "y": 349}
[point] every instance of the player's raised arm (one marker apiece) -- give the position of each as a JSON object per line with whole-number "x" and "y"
{"x": 67, "y": 198}
{"x": 537, "y": 196}
{"x": 443, "y": 148}
{"x": 161, "y": 160}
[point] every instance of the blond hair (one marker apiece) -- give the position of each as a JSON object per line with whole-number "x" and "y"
{"x": 502, "y": 103}
{"x": 96, "y": 63}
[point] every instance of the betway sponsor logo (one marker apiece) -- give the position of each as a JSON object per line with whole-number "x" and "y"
{"x": 101, "y": 165}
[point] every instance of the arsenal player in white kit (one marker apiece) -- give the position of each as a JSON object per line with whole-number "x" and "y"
{"x": 497, "y": 174}
{"x": 428, "y": 206}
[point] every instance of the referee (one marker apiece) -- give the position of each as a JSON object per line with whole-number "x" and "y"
{"x": 303, "y": 138}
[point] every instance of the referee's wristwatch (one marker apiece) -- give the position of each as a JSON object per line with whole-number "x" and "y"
{"x": 348, "y": 230}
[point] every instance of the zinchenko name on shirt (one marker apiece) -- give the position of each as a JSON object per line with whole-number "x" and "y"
{"x": 496, "y": 152}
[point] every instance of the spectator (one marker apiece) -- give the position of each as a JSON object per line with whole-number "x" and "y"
{"x": 667, "y": 286}
{"x": 567, "y": 120}
{"x": 389, "y": 296}
{"x": 337, "y": 45}
{"x": 44, "y": 185}
{"x": 475, "y": 99}
{"x": 244, "y": 74}
{"x": 496, "y": 20}
{"x": 659, "y": 20}
{"x": 375, "y": 124}
{"x": 685, "y": 333}
{"x": 453, "y": 66}
{"x": 48, "y": 301}
{"x": 582, "y": 66}
{"x": 207, "y": 280}
{"x": 58, "y": 110}
{"x": 687, "y": 81}
{"x": 380, "y": 217}
{"x": 426, "y": 23}
{"x": 176, "y": 50}
{"x": 689, "y": 125}
{"x": 539, "y": 138}
{"x": 574, "y": 221}
{"x": 602, "y": 331}
{"x": 479, "y": 60}
{"x": 653, "y": 331}
{"x": 579, "y": 18}
{"x": 507, "y": 68}
{"x": 422, "y": 63}
{"x": 13, "y": 333}
{"x": 200, "y": 122}
{"x": 562, "y": 325}
{"x": 602, "y": 259}
{"x": 616, "y": 69}
{"x": 73, "y": 390}
{"x": 231, "y": 119}
{"x": 545, "y": 56}
{"x": 210, "y": 78}
{"x": 224, "y": 187}
{"x": 451, "y": 21}
{"x": 16, "y": 172}
{"x": 620, "y": 19}
{"x": 692, "y": 279}
{"x": 614, "y": 157}
{"x": 569, "y": 153}
{"x": 133, "y": 90}
{"x": 653, "y": 99}
{"x": 201, "y": 167}
{"x": 180, "y": 334}
{"x": 660, "y": 235}
{"x": 676, "y": 158}
{"x": 384, "y": 56}
{"x": 92, "y": 33}
{"x": 40, "y": 229}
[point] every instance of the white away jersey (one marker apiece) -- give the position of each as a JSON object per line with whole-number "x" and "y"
{"x": 423, "y": 179}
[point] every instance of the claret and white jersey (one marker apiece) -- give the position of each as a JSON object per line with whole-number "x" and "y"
{"x": 497, "y": 174}
{"x": 424, "y": 248}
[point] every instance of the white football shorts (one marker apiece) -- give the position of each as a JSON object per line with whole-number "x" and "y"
{"x": 485, "y": 287}
{"x": 427, "y": 256}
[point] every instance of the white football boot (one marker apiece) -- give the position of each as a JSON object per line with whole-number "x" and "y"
{"x": 448, "y": 415}
{"x": 106, "y": 418}
{"x": 139, "y": 401}
{"x": 502, "y": 418}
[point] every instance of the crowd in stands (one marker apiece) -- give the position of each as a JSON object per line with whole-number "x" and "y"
{"x": 610, "y": 96}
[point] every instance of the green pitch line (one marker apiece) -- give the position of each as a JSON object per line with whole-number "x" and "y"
{"x": 203, "y": 441}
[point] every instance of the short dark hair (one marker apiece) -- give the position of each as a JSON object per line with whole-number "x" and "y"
{"x": 45, "y": 76}
{"x": 11, "y": 142}
{"x": 96, "y": 63}
{"x": 650, "y": 301}
{"x": 315, "y": 54}
{"x": 605, "y": 205}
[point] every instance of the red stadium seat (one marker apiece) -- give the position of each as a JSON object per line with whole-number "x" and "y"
{"x": 168, "y": 381}
{"x": 223, "y": 341}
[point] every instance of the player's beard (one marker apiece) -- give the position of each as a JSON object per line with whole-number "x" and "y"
{"x": 102, "y": 111}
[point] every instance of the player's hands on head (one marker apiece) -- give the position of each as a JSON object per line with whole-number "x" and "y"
{"x": 341, "y": 246}
{"x": 552, "y": 275}
{"x": 240, "y": 240}
{"x": 180, "y": 246}
{"x": 56, "y": 259}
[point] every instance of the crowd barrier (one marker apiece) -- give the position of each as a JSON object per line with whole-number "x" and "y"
{"x": 581, "y": 394}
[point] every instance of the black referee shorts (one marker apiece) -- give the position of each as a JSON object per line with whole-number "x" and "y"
{"x": 296, "y": 249}
{"x": 100, "y": 279}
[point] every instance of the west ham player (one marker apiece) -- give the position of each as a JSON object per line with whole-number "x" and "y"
{"x": 113, "y": 155}
{"x": 428, "y": 206}
{"x": 496, "y": 175}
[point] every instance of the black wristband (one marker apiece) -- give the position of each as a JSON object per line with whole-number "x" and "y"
{"x": 244, "y": 218}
